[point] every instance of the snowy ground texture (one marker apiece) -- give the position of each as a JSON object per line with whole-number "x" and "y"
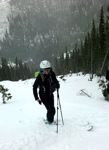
{"x": 21, "y": 119}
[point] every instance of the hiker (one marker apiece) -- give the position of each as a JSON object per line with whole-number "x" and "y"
{"x": 47, "y": 83}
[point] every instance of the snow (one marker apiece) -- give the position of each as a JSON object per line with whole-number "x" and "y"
{"x": 21, "y": 118}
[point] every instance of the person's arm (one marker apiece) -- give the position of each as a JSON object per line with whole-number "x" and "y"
{"x": 107, "y": 75}
{"x": 55, "y": 81}
{"x": 35, "y": 86}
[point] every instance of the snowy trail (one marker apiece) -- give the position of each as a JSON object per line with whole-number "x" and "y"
{"x": 22, "y": 126}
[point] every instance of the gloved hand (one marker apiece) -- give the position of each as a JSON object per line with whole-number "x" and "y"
{"x": 58, "y": 86}
{"x": 55, "y": 86}
{"x": 39, "y": 101}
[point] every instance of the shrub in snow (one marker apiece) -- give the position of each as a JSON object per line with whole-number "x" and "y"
{"x": 5, "y": 96}
{"x": 103, "y": 85}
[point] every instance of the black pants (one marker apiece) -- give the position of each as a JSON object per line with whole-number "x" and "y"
{"x": 108, "y": 88}
{"x": 48, "y": 101}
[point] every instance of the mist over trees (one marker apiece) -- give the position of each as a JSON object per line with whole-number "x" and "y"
{"x": 92, "y": 56}
{"x": 14, "y": 71}
{"x": 54, "y": 30}
{"x": 42, "y": 29}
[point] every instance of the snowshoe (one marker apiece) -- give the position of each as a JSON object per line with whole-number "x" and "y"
{"x": 50, "y": 123}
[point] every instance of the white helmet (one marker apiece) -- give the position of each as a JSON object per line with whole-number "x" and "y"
{"x": 45, "y": 64}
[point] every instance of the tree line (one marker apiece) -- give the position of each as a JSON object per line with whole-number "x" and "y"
{"x": 92, "y": 55}
{"x": 14, "y": 71}
{"x": 42, "y": 29}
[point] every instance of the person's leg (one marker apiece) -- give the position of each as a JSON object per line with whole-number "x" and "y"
{"x": 49, "y": 104}
{"x": 50, "y": 114}
{"x": 108, "y": 88}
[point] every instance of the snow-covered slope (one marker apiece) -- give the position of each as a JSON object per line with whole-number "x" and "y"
{"x": 21, "y": 119}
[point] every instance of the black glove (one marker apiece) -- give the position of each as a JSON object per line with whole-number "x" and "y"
{"x": 55, "y": 86}
{"x": 39, "y": 101}
{"x": 58, "y": 86}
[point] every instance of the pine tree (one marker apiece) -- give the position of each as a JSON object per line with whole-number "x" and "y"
{"x": 102, "y": 38}
{"x": 94, "y": 48}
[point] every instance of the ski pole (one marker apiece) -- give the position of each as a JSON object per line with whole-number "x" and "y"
{"x": 85, "y": 93}
{"x": 60, "y": 106}
{"x": 103, "y": 63}
{"x": 57, "y": 113}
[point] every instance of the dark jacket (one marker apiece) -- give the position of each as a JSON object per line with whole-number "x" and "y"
{"x": 107, "y": 75}
{"x": 46, "y": 87}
